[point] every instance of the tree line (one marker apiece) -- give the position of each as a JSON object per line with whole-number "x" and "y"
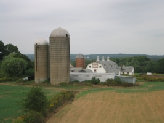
{"x": 142, "y": 64}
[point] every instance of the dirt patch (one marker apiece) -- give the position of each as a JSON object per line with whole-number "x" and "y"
{"x": 107, "y": 106}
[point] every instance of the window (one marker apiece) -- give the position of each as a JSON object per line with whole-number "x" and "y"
{"x": 89, "y": 66}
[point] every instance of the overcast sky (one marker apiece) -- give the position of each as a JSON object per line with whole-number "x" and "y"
{"x": 95, "y": 26}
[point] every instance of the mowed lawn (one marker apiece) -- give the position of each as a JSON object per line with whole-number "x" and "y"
{"x": 143, "y": 104}
{"x": 11, "y": 97}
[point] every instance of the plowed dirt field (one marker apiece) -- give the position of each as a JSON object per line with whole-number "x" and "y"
{"x": 113, "y": 107}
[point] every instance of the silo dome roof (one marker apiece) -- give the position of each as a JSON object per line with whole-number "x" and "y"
{"x": 59, "y": 32}
{"x": 41, "y": 42}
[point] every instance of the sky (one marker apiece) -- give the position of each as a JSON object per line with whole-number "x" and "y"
{"x": 95, "y": 26}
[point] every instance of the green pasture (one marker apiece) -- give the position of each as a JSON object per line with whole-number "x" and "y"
{"x": 11, "y": 97}
{"x": 142, "y": 87}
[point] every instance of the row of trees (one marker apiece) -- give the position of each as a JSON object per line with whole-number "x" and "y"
{"x": 13, "y": 63}
{"x": 142, "y": 64}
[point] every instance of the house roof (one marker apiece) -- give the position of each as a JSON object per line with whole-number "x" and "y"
{"x": 127, "y": 69}
{"x": 110, "y": 66}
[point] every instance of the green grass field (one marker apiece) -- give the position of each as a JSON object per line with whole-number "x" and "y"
{"x": 10, "y": 101}
{"x": 11, "y": 95}
{"x": 143, "y": 87}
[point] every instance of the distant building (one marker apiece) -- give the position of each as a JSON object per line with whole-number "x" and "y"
{"x": 108, "y": 66}
{"x": 96, "y": 67}
{"x": 80, "y": 61}
{"x": 149, "y": 73}
{"x": 129, "y": 70}
{"x": 103, "y": 70}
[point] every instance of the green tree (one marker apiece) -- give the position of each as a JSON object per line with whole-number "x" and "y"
{"x": 29, "y": 71}
{"x": 13, "y": 67}
{"x": 161, "y": 65}
{"x": 7, "y": 49}
{"x": 19, "y": 55}
{"x": 10, "y": 48}
{"x": 2, "y": 48}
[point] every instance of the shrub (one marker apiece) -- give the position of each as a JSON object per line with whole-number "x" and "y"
{"x": 36, "y": 104}
{"x": 63, "y": 84}
{"x": 75, "y": 81}
{"x": 114, "y": 82}
{"x": 117, "y": 80}
{"x": 30, "y": 72}
{"x": 95, "y": 81}
{"x": 61, "y": 98}
{"x": 33, "y": 117}
{"x": 126, "y": 84}
{"x": 36, "y": 101}
{"x": 18, "y": 120}
{"x": 5, "y": 79}
{"x": 151, "y": 78}
{"x": 110, "y": 82}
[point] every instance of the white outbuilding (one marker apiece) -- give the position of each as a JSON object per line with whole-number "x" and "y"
{"x": 96, "y": 67}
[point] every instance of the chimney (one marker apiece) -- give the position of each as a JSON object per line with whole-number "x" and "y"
{"x": 98, "y": 59}
{"x": 103, "y": 59}
{"x": 108, "y": 58}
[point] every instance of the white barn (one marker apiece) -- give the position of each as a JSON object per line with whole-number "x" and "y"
{"x": 108, "y": 66}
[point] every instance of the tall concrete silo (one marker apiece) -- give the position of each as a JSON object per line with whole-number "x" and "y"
{"x": 41, "y": 49}
{"x": 59, "y": 56}
{"x": 80, "y": 61}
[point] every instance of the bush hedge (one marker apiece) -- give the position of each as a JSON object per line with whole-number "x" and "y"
{"x": 33, "y": 117}
{"x": 151, "y": 78}
{"x": 95, "y": 81}
{"x": 117, "y": 82}
{"x": 60, "y": 99}
{"x": 7, "y": 79}
{"x": 36, "y": 101}
{"x": 37, "y": 106}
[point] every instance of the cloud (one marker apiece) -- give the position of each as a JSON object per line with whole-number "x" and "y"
{"x": 96, "y": 26}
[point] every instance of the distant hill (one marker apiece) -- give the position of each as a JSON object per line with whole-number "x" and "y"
{"x": 94, "y": 56}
